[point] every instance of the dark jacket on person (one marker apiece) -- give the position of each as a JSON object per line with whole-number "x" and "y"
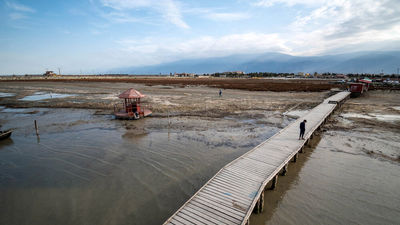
{"x": 302, "y": 126}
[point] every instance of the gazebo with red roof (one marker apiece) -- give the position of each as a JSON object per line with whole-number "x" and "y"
{"x": 131, "y": 107}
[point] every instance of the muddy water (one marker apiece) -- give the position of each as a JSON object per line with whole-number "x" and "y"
{"x": 91, "y": 169}
{"x": 348, "y": 176}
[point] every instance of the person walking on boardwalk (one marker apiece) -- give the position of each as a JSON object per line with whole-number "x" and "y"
{"x": 302, "y": 129}
{"x": 220, "y": 93}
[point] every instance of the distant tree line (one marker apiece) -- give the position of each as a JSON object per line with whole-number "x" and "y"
{"x": 315, "y": 74}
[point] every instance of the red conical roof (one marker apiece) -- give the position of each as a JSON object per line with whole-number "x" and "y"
{"x": 131, "y": 93}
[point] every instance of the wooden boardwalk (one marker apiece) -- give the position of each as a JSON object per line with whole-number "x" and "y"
{"x": 238, "y": 188}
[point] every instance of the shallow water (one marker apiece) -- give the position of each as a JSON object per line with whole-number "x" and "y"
{"x": 3, "y": 94}
{"x": 90, "y": 169}
{"x": 348, "y": 177}
{"x": 380, "y": 117}
{"x": 42, "y": 96}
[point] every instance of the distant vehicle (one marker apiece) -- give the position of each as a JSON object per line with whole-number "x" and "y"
{"x": 49, "y": 73}
{"x": 358, "y": 88}
{"x": 340, "y": 82}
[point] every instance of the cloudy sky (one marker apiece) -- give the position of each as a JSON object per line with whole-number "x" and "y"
{"x": 93, "y": 36}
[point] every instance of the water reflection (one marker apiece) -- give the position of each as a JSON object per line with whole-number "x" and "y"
{"x": 89, "y": 169}
{"x": 42, "y": 96}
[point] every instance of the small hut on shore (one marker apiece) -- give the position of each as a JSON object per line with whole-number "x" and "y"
{"x": 131, "y": 108}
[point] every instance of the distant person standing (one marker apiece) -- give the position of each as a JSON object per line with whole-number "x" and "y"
{"x": 220, "y": 93}
{"x": 302, "y": 129}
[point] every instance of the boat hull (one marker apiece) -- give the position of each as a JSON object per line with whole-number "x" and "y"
{"x": 5, "y": 134}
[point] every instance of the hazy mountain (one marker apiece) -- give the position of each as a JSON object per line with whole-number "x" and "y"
{"x": 360, "y": 62}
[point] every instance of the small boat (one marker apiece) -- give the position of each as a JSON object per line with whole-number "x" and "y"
{"x": 5, "y": 134}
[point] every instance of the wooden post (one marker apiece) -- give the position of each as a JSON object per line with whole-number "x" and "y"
{"x": 285, "y": 170}
{"x": 274, "y": 182}
{"x": 36, "y": 128}
{"x": 302, "y": 149}
{"x": 295, "y": 157}
{"x": 259, "y": 207}
{"x": 169, "y": 121}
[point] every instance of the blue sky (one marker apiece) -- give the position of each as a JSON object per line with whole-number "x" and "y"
{"x": 94, "y": 36}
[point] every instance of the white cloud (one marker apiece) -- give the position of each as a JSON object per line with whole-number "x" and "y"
{"x": 19, "y": 7}
{"x": 227, "y": 16}
{"x": 158, "y": 50}
{"x": 337, "y": 23}
{"x": 169, "y": 9}
{"x": 269, "y": 3}
{"x": 17, "y": 16}
{"x": 18, "y": 11}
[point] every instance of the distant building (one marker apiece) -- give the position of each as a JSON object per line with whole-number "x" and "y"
{"x": 49, "y": 73}
{"x": 184, "y": 75}
{"x": 233, "y": 73}
{"x": 341, "y": 76}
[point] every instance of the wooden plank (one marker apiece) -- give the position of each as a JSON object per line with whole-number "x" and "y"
{"x": 193, "y": 217}
{"x": 207, "y": 215}
{"x": 222, "y": 211}
{"x": 244, "y": 182}
{"x": 234, "y": 187}
{"x": 226, "y": 198}
{"x": 182, "y": 220}
{"x": 260, "y": 171}
{"x": 231, "y": 191}
{"x": 252, "y": 165}
{"x": 226, "y": 208}
{"x": 175, "y": 222}
{"x": 238, "y": 174}
{"x": 213, "y": 214}
{"x": 228, "y": 202}
{"x": 252, "y": 176}
{"x": 236, "y": 180}
{"x": 257, "y": 171}
{"x": 245, "y": 190}
{"x": 270, "y": 160}
{"x": 277, "y": 155}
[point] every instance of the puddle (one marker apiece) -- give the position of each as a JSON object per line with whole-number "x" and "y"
{"x": 41, "y": 96}
{"x": 385, "y": 118}
{"x": 3, "y": 94}
{"x": 16, "y": 110}
{"x": 296, "y": 113}
{"x": 20, "y": 110}
{"x": 389, "y": 118}
{"x": 109, "y": 97}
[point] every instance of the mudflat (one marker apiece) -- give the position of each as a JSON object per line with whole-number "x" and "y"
{"x": 87, "y": 167}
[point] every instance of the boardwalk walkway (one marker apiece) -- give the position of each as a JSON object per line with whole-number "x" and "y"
{"x": 238, "y": 188}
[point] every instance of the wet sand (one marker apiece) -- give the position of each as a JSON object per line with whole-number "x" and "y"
{"x": 87, "y": 168}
